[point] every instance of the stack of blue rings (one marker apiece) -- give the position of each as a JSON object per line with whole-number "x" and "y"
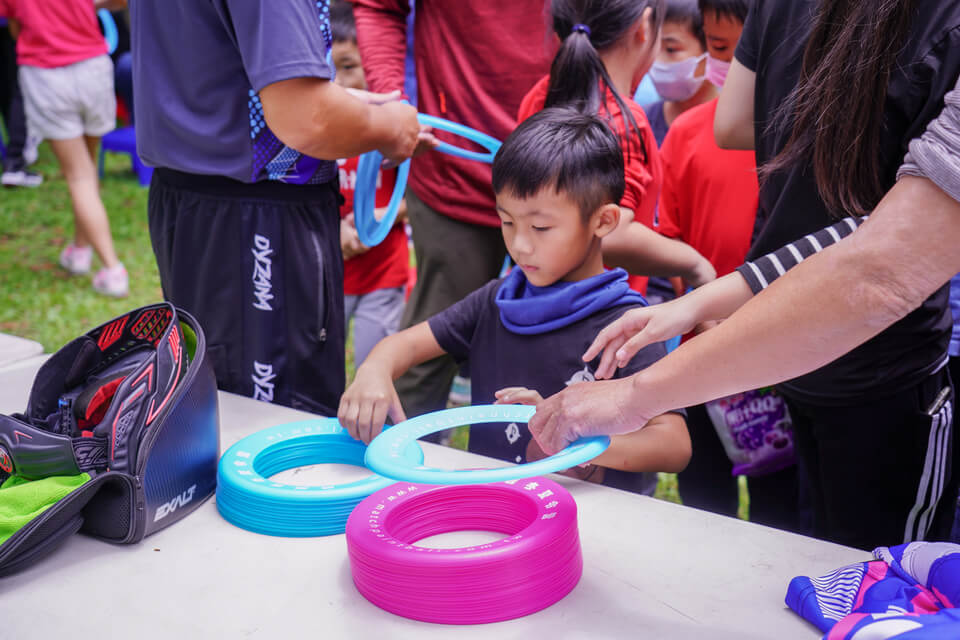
{"x": 249, "y": 499}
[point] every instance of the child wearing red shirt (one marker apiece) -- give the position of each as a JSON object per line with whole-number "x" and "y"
{"x": 710, "y": 194}
{"x": 606, "y": 49}
{"x": 373, "y": 277}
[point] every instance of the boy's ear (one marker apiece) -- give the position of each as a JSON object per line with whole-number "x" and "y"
{"x": 606, "y": 219}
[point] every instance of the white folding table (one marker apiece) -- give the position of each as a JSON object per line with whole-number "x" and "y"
{"x": 652, "y": 569}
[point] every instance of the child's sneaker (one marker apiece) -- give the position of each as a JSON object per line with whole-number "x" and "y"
{"x": 21, "y": 178}
{"x": 76, "y": 259}
{"x": 112, "y": 282}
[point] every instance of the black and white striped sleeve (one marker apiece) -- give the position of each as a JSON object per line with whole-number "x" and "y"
{"x": 763, "y": 271}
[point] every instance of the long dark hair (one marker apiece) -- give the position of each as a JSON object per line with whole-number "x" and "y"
{"x": 577, "y": 71}
{"x": 837, "y": 107}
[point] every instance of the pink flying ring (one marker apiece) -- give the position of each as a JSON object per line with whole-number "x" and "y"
{"x": 536, "y": 564}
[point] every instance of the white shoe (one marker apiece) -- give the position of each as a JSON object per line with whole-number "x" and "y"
{"x": 112, "y": 282}
{"x": 76, "y": 259}
{"x": 21, "y": 178}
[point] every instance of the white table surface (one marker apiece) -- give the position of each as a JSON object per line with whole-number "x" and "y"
{"x": 14, "y": 349}
{"x": 651, "y": 570}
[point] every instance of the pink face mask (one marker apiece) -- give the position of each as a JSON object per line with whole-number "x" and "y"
{"x": 717, "y": 71}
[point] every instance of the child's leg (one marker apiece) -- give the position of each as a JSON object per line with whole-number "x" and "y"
{"x": 706, "y": 483}
{"x": 80, "y": 171}
{"x": 377, "y": 316}
{"x": 349, "y": 308}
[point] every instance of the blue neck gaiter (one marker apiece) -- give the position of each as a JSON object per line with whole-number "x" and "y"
{"x": 529, "y": 310}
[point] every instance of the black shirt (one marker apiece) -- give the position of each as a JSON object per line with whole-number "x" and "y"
{"x": 546, "y": 362}
{"x": 772, "y": 45}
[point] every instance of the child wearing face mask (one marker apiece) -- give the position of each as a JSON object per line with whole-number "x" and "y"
{"x": 679, "y": 75}
{"x": 606, "y": 47}
{"x": 710, "y": 197}
{"x": 679, "y": 72}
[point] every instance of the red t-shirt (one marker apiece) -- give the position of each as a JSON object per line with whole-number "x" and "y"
{"x": 55, "y": 33}
{"x": 475, "y": 60}
{"x": 710, "y": 195}
{"x": 386, "y": 265}
{"x": 643, "y": 179}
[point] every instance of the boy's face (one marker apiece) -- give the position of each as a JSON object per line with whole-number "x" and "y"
{"x": 547, "y": 236}
{"x": 346, "y": 58}
{"x": 722, "y": 33}
{"x": 677, "y": 43}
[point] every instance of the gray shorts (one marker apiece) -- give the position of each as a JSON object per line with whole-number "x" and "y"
{"x": 71, "y": 101}
{"x": 376, "y": 315}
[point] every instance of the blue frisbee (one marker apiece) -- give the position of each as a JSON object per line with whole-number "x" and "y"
{"x": 249, "y": 499}
{"x": 372, "y": 231}
{"x": 385, "y": 455}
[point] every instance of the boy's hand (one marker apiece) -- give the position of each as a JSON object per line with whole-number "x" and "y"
{"x": 365, "y": 406}
{"x": 349, "y": 239}
{"x": 624, "y": 337}
{"x": 518, "y": 395}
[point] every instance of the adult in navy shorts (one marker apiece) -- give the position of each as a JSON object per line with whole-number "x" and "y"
{"x": 236, "y": 110}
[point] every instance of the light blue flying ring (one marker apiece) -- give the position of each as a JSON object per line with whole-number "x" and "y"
{"x": 385, "y": 455}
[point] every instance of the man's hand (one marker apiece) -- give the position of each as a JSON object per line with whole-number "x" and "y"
{"x": 406, "y": 129}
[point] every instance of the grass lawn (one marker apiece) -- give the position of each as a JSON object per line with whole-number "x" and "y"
{"x": 38, "y": 299}
{"x": 41, "y": 301}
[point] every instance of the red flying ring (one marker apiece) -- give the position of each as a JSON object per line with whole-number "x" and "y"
{"x": 534, "y": 566}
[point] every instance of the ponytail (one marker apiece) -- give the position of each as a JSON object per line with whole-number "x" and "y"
{"x": 837, "y": 108}
{"x": 578, "y": 77}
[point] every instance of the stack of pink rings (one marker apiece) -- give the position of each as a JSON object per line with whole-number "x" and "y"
{"x": 534, "y": 566}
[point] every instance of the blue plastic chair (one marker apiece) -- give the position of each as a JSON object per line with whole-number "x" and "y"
{"x": 125, "y": 141}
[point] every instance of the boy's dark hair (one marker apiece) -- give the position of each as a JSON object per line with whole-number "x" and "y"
{"x": 578, "y": 77}
{"x": 735, "y": 9}
{"x": 342, "y": 26}
{"x": 573, "y": 152}
{"x": 836, "y": 112}
{"x": 687, "y": 12}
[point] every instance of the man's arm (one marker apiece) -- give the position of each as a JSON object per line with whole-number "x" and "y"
{"x": 382, "y": 39}
{"x": 321, "y": 119}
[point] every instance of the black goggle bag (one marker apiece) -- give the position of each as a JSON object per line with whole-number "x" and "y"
{"x": 133, "y": 403}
